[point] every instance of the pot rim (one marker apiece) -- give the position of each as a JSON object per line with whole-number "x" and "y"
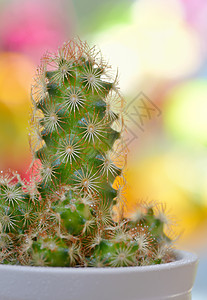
{"x": 183, "y": 258}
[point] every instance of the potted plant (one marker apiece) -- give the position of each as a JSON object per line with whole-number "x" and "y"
{"x": 64, "y": 234}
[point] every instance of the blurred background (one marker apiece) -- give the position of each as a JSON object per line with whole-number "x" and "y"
{"x": 160, "y": 50}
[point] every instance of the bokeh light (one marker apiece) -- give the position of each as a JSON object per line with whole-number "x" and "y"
{"x": 16, "y": 73}
{"x": 167, "y": 45}
{"x": 121, "y": 55}
{"x": 35, "y": 26}
{"x": 185, "y": 111}
{"x": 173, "y": 178}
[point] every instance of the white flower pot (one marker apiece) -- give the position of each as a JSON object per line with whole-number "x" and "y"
{"x": 172, "y": 281}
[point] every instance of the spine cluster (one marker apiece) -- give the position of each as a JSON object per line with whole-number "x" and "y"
{"x": 65, "y": 215}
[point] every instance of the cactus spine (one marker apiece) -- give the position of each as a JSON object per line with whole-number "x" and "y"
{"x": 63, "y": 217}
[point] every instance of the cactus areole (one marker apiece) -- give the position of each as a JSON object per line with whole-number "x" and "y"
{"x": 71, "y": 212}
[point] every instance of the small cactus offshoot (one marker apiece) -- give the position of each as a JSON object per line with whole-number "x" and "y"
{"x": 65, "y": 215}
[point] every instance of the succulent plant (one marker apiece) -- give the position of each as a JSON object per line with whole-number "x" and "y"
{"x": 71, "y": 213}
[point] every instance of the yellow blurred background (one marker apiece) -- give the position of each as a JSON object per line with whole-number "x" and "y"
{"x": 160, "y": 51}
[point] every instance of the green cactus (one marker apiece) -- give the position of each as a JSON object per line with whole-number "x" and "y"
{"x": 64, "y": 216}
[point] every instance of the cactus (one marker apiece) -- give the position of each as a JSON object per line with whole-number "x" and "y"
{"x": 65, "y": 215}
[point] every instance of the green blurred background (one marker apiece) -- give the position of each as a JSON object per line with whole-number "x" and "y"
{"x": 159, "y": 48}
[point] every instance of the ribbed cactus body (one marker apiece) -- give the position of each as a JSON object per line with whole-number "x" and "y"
{"x": 75, "y": 124}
